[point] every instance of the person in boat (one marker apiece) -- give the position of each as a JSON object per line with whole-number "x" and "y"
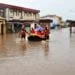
{"x": 39, "y": 32}
{"x": 32, "y": 30}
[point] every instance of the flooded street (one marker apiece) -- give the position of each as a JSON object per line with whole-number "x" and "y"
{"x": 52, "y": 57}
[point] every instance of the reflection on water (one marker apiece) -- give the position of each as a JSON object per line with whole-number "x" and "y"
{"x": 10, "y": 46}
{"x": 46, "y": 48}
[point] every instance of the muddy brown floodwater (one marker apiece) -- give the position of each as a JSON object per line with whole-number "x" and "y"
{"x": 55, "y": 56}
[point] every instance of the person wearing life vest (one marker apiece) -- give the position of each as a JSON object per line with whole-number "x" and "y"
{"x": 32, "y": 30}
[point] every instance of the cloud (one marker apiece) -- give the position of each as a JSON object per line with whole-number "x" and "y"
{"x": 29, "y": 0}
{"x": 8, "y": 1}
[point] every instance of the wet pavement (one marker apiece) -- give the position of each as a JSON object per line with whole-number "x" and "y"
{"x": 52, "y": 57}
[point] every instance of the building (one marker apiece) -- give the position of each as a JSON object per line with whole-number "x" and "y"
{"x": 45, "y": 22}
{"x": 71, "y": 24}
{"x": 57, "y": 20}
{"x": 16, "y": 16}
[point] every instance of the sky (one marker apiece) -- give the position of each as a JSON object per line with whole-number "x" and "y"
{"x": 63, "y": 8}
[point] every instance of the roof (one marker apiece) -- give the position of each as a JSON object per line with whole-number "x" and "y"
{"x": 70, "y": 21}
{"x": 48, "y": 16}
{"x": 45, "y": 20}
{"x": 51, "y": 16}
{"x": 18, "y": 8}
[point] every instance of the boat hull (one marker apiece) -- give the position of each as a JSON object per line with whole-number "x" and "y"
{"x": 35, "y": 38}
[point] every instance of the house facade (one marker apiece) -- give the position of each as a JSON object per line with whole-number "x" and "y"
{"x": 57, "y": 20}
{"x": 16, "y": 16}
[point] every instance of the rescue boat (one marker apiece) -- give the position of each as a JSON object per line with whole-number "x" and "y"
{"x": 36, "y": 37}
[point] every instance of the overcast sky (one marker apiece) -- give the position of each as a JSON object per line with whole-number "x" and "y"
{"x": 64, "y": 8}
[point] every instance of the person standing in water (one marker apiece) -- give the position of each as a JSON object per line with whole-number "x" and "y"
{"x": 23, "y": 32}
{"x": 46, "y": 33}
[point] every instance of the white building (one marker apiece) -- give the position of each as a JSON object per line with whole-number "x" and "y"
{"x": 57, "y": 20}
{"x": 16, "y": 15}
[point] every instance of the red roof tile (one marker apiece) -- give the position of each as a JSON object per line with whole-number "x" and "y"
{"x": 18, "y": 8}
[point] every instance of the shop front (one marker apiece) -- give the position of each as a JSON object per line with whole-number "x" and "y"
{"x": 16, "y": 25}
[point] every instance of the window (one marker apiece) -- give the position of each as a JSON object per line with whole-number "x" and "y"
{"x": 18, "y": 13}
{"x": 11, "y": 11}
{"x": 30, "y": 14}
{"x": 27, "y": 14}
{"x": 2, "y": 12}
{"x": 24, "y": 13}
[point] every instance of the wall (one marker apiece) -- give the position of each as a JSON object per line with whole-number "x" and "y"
{"x": 2, "y": 21}
{"x": 21, "y": 15}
